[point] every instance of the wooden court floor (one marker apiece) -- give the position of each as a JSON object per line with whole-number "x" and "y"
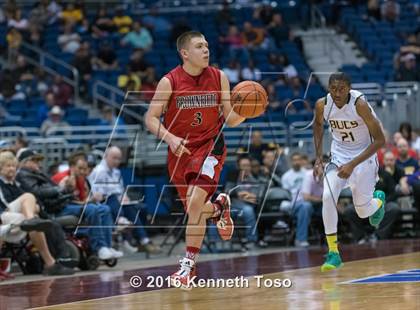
{"x": 378, "y": 276}
{"x": 310, "y": 289}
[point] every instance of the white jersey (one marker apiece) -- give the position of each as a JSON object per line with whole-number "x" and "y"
{"x": 350, "y": 134}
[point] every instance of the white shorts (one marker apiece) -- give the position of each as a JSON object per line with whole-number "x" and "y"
{"x": 361, "y": 182}
{"x": 15, "y": 235}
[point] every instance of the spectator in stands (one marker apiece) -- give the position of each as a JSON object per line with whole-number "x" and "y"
{"x": 233, "y": 72}
{"x": 15, "y": 200}
{"x": 278, "y": 30}
{"x": 252, "y": 37}
{"x": 38, "y": 17}
{"x": 390, "y": 11}
{"x": 96, "y": 214}
{"x": 103, "y": 24}
{"x": 245, "y": 191}
{"x": 407, "y": 132}
{"x": 408, "y": 70}
{"x": 251, "y": 72}
{"x": 122, "y": 21}
{"x": 404, "y": 161}
{"x": 156, "y": 22}
{"x": 8, "y": 87}
{"x": 358, "y": 226}
{"x": 288, "y": 68}
{"x": 292, "y": 180}
{"x": 71, "y": 14}
{"x": 274, "y": 104}
{"x": 414, "y": 182}
{"x": 235, "y": 44}
{"x": 298, "y": 92}
{"x": 106, "y": 58}
{"x": 109, "y": 119}
{"x": 18, "y": 22}
{"x": 83, "y": 62}
{"x": 43, "y": 110}
{"x": 264, "y": 13}
{"x": 35, "y": 37}
{"x": 273, "y": 167}
{"x": 138, "y": 37}
{"x": 106, "y": 180}
{"x": 224, "y": 17}
{"x": 257, "y": 147}
{"x": 54, "y": 122}
{"x": 54, "y": 11}
{"x": 14, "y": 40}
{"x": 69, "y": 41}
{"x": 20, "y": 143}
{"x": 129, "y": 77}
{"x": 22, "y": 70}
{"x": 63, "y": 92}
{"x": 411, "y": 47}
{"x": 309, "y": 201}
{"x": 138, "y": 65}
{"x": 373, "y": 10}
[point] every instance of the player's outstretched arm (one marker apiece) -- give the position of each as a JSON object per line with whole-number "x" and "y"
{"x": 152, "y": 118}
{"x": 232, "y": 118}
{"x": 318, "y": 129}
{"x": 375, "y": 130}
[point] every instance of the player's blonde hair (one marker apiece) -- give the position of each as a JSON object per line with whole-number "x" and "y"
{"x": 185, "y": 38}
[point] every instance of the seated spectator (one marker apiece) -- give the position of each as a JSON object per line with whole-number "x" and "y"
{"x": 245, "y": 191}
{"x": 128, "y": 77}
{"x": 54, "y": 11}
{"x": 138, "y": 65}
{"x": 235, "y": 44}
{"x": 224, "y": 17}
{"x": 360, "y": 227}
{"x": 54, "y": 122}
{"x": 18, "y": 22}
{"x": 106, "y": 58}
{"x": 373, "y": 10}
{"x": 109, "y": 119}
{"x": 45, "y": 107}
{"x": 390, "y": 11}
{"x": 278, "y": 30}
{"x": 397, "y": 174}
{"x": 83, "y": 62}
{"x": 106, "y": 180}
{"x": 71, "y": 14}
{"x": 138, "y": 37}
{"x": 14, "y": 200}
{"x": 74, "y": 180}
{"x": 404, "y": 161}
{"x": 274, "y": 104}
{"x": 292, "y": 180}
{"x": 233, "y": 72}
{"x": 411, "y": 47}
{"x": 69, "y": 41}
{"x": 408, "y": 70}
{"x": 35, "y": 37}
{"x": 14, "y": 40}
{"x": 407, "y": 132}
{"x": 256, "y": 147}
{"x": 252, "y": 37}
{"x": 62, "y": 91}
{"x": 19, "y": 144}
{"x": 264, "y": 13}
{"x": 103, "y": 24}
{"x": 272, "y": 168}
{"x": 288, "y": 68}
{"x": 122, "y": 21}
{"x": 39, "y": 16}
{"x": 23, "y": 71}
{"x": 250, "y": 72}
{"x": 309, "y": 201}
{"x": 298, "y": 103}
{"x": 157, "y": 23}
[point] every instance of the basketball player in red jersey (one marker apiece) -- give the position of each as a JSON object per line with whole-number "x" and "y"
{"x": 194, "y": 99}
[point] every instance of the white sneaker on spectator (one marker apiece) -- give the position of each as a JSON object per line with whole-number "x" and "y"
{"x": 122, "y": 223}
{"x": 116, "y": 254}
{"x": 128, "y": 248}
{"x": 105, "y": 253}
{"x": 5, "y": 229}
{"x": 302, "y": 244}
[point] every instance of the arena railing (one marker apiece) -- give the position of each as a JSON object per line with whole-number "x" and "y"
{"x": 41, "y": 60}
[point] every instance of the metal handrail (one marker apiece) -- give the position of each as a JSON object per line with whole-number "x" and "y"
{"x": 43, "y": 56}
{"x": 112, "y": 101}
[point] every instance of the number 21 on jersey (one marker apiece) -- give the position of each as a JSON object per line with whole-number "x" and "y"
{"x": 347, "y": 136}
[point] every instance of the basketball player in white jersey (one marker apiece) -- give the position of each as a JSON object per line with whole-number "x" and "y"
{"x": 356, "y": 137}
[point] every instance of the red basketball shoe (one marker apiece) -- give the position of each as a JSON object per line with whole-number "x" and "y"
{"x": 224, "y": 224}
{"x": 186, "y": 274}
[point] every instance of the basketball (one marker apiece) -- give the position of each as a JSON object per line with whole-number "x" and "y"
{"x": 249, "y": 99}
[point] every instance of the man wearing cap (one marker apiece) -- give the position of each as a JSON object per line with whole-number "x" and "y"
{"x": 54, "y": 121}
{"x": 14, "y": 201}
{"x": 53, "y": 199}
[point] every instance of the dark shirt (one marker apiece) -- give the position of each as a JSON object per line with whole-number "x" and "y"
{"x": 387, "y": 184}
{"x": 8, "y": 193}
{"x": 409, "y": 166}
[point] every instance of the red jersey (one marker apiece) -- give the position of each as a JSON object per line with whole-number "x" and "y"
{"x": 194, "y": 108}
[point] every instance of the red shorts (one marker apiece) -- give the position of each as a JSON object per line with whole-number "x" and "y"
{"x": 201, "y": 168}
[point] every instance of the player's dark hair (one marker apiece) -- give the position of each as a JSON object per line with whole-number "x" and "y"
{"x": 185, "y": 38}
{"x": 340, "y": 76}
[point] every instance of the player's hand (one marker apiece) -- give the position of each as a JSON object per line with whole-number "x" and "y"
{"x": 318, "y": 170}
{"x": 177, "y": 146}
{"x": 345, "y": 171}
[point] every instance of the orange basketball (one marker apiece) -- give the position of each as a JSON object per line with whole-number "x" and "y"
{"x": 249, "y": 99}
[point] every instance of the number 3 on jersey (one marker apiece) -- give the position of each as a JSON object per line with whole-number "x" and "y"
{"x": 198, "y": 119}
{"x": 347, "y": 136}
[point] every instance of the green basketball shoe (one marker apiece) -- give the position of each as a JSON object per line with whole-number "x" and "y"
{"x": 333, "y": 261}
{"x": 376, "y": 218}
